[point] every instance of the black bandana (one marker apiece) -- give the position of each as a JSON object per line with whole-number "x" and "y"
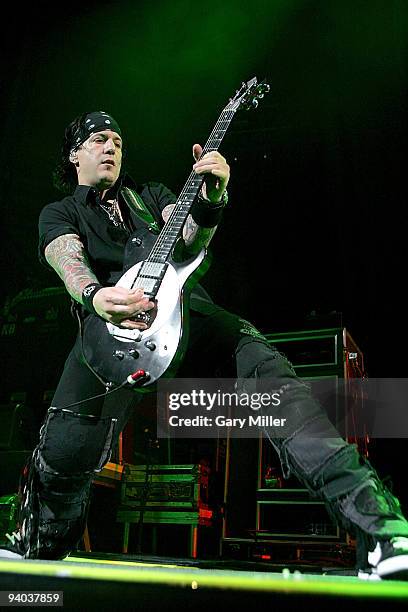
{"x": 94, "y": 122}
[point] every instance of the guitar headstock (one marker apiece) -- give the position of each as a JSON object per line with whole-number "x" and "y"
{"x": 248, "y": 95}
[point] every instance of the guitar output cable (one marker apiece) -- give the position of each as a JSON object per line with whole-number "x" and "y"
{"x": 137, "y": 377}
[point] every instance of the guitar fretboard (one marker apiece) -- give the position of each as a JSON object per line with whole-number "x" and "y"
{"x": 171, "y": 231}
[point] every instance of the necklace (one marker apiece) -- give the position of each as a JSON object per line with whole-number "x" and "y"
{"x": 113, "y": 212}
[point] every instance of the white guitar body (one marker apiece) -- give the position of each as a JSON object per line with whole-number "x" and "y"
{"x": 115, "y": 352}
{"x": 158, "y": 344}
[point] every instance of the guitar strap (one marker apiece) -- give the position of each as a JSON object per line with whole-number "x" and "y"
{"x": 139, "y": 208}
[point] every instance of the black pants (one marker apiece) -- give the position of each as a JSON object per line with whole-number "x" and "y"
{"x": 221, "y": 345}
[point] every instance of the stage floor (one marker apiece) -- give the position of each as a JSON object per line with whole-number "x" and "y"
{"x": 119, "y": 582}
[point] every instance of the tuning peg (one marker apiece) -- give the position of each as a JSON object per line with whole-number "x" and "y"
{"x": 255, "y": 103}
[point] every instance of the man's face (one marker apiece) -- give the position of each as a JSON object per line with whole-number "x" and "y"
{"x": 100, "y": 159}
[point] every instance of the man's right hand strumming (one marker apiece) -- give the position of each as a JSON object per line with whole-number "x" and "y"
{"x": 118, "y": 305}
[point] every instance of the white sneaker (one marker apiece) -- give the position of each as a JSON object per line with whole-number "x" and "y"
{"x": 388, "y": 561}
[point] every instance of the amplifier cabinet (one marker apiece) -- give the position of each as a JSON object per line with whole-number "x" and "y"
{"x": 329, "y": 351}
{"x": 171, "y": 487}
{"x": 165, "y": 495}
{"x": 293, "y": 515}
{"x": 259, "y": 502}
{"x": 37, "y": 331}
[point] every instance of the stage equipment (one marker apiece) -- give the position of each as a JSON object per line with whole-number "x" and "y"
{"x": 36, "y": 334}
{"x": 267, "y": 516}
{"x": 166, "y": 495}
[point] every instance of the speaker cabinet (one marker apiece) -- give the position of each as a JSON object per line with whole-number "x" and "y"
{"x": 259, "y": 502}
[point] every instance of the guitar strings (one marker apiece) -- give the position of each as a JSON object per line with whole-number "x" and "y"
{"x": 189, "y": 185}
{"x": 148, "y": 266}
{"x": 212, "y": 144}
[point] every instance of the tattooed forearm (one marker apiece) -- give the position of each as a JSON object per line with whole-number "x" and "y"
{"x": 195, "y": 237}
{"x": 66, "y": 254}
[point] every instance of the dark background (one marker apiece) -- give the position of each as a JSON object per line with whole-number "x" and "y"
{"x": 316, "y": 223}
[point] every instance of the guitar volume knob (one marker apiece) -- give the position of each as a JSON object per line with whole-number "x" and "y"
{"x": 119, "y": 355}
{"x": 133, "y": 353}
{"x": 150, "y": 345}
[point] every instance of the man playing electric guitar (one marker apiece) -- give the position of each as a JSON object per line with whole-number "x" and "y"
{"x": 83, "y": 237}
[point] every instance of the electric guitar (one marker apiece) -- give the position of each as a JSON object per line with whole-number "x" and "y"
{"x": 115, "y": 353}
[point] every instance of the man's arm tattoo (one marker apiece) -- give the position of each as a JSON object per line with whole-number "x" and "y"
{"x": 66, "y": 254}
{"x": 195, "y": 237}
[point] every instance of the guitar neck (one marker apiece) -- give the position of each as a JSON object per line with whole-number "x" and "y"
{"x": 170, "y": 233}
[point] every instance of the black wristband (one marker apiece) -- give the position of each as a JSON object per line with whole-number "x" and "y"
{"x": 88, "y": 295}
{"x": 208, "y": 214}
